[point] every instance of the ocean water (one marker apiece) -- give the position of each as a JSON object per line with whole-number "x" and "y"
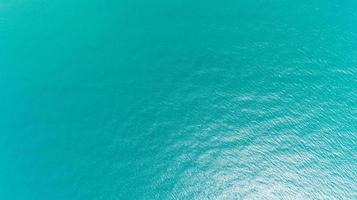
{"x": 187, "y": 99}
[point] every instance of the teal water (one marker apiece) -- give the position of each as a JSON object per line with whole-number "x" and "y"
{"x": 188, "y": 99}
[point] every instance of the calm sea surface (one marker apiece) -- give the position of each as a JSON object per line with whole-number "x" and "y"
{"x": 186, "y": 99}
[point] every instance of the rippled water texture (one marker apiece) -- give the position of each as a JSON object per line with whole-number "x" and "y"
{"x": 187, "y": 99}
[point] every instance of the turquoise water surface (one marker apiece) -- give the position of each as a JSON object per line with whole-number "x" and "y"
{"x": 187, "y": 99}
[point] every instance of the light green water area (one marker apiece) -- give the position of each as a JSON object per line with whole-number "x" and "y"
{"x": 186, "y": 99}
